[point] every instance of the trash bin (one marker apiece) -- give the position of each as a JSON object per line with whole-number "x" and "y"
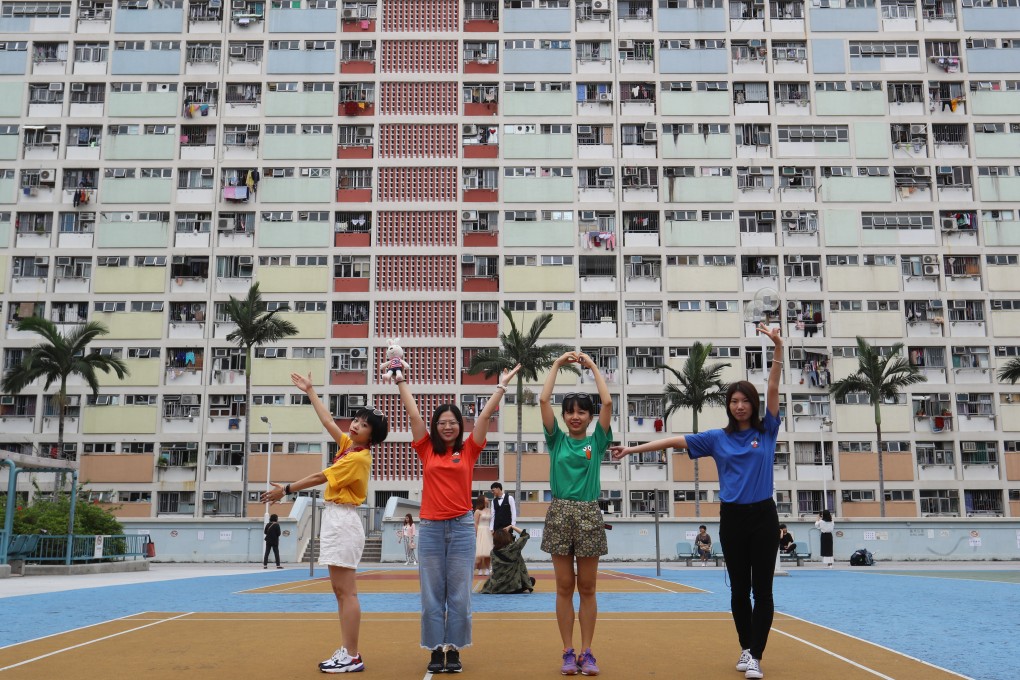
{"x": 149, "y": 547}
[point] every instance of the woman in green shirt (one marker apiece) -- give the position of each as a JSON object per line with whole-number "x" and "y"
{"x": 574, "y": 527}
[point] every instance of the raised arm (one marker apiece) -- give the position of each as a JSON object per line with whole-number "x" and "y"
{"x": 606, "y": 410}
{"x": 325, "y": 417}
{"x": 418, "y": 428}
{"x": 545, "y": 400}
{"x": 481, "y": 431}
{"x": 776, "y": 371}
{"x": 678, "y": 442}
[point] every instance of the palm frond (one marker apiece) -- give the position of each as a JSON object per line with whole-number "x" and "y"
{"x": 1010, "y": 371}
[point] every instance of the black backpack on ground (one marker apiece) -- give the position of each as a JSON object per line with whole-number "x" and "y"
{"x": 862, "y": 558}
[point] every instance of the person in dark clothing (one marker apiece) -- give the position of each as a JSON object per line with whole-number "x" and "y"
{"x": 509, "y": 572}
{"x": 272, "y": 532}
{"x": 504, "y": 509}
{"x": 786, "y": 542}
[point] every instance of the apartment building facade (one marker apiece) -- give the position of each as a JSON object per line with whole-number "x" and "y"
{"x": 402, "y": 168}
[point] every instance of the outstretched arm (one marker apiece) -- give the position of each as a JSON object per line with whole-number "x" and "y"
{"x": 679, "y": 442}
{"x": 481, "y": 431}
{"x": 418, "y": 428}
{"x": 325, "y": 417}
{"x": 545, "y": 400}
{"x": 776, "y": 372}
{"x": 606, "y": 410}
{"x": 280, "y": 490}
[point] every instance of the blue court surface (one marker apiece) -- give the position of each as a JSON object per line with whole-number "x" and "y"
{"x": 962, "y": 619}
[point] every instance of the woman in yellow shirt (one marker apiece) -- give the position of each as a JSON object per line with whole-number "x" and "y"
{"x": 342, "y": 536}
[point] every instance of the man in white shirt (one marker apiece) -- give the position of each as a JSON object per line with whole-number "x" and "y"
{"x": 504, "y": 509}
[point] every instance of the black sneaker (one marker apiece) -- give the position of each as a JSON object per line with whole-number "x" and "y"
{"x": 438, "y": 662}
{"x": 453, "y": 664}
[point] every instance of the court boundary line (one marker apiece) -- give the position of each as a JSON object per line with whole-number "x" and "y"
{"x": 77, "y": 628}
{"x": 634, "y": 578}
{"x": 301, "y": 584}
{"x": 869, "y": 642}
{"x": 91, "y": 642}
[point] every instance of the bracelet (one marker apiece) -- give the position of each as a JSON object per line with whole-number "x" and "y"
{"x": 398, "y": 382}
{"x": 286, "y": 490}
{"x": 501, "y": 387}
{"x": 777, "y": 363}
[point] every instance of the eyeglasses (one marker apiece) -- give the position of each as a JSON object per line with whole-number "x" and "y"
{"x": 375, "y": 411}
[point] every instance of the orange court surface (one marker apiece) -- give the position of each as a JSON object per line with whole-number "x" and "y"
{"x": 648, "y": 627}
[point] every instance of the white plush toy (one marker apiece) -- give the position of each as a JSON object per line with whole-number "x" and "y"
{"x": 393, "y": 368}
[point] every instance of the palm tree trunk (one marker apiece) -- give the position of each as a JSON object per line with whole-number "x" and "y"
{"x": 881, "y": 462}
{"x": 247, "y": 432}
{"x": 520, "y": 438}
{"x": 61, "y": 413}
{"x": 697, "y": 480}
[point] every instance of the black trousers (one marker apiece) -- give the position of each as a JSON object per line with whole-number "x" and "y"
{"x": 749, "y": 535}
{"x": 276, "y": 552}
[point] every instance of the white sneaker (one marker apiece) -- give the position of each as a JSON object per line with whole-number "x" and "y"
{"x": 745, "y": 658}
{"x": 342, "y": 662}
{"x": 753, "y": 670}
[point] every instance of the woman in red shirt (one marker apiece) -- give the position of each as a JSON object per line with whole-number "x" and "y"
{"x": 446, "y": 535}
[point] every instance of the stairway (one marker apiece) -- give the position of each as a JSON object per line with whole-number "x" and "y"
{"x": 373, "y": 549}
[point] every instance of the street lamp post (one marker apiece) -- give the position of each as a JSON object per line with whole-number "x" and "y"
{"x": 827, "y": 424}
{"x": 269, "y": 465}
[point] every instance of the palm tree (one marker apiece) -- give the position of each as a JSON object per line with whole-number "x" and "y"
{"x": 520, "y": 348}
{"x": 697, "y": 386}
{"x": 881, "y": 376}
{"x": 1010, "y": 372}
{"x": 255, "y": 327}
{"x": 58, "y": 358}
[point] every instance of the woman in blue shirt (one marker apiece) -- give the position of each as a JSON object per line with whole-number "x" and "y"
{"x": 744, "y": 452}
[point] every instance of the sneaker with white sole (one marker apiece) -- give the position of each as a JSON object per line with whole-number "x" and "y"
{"x": 753, "y": 671}
{"x": 745, "y": 658}
{"x": 342, "y": 662}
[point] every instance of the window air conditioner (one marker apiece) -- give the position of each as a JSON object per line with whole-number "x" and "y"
{"x": 581, "y": 129}
{"x": 56, "y": 87}
{"x": 207, "y": 172}
{"x": 237, "y": 4}
{"x": 237, "y": 50}
{"x": 605, "y": 171}
{"x": 366, "y": 44}
{"x": 245, "y": 259}
{"x": 794, "y": 258}
{"x": 467, "y": 259}
{"x": 77, "y": 87}
{"x": 931, "y": 270}
{"x": 796, "y": 354}
{"x": 587, "y": 215}
{"x": 208, "y": 495}
{"x": 944, "y": 170}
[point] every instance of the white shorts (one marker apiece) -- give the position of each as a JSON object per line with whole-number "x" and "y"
{"x": 342, "y": 536}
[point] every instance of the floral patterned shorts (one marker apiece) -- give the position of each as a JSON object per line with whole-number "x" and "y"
{"x": 574, "y": 528}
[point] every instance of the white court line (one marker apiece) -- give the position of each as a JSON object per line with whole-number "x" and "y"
{"x": 300, "y": 584}
{"x": 620, "y": 574}
{"x": 868, "y": 642}
{"x": 85, "y": 644}
{"x": 72, "y": 630}
{"x": 199, "y": 618}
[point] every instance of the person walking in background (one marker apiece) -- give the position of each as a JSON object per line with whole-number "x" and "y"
{"x": 509, "y": 572}
{"x": 483, "y": 535}
{"x": 825, "y": 525}
{"x": 342, "y": 535}
{"x": 272, "y": 532}
{"x": 446, "y": 537}
{"x": 703, "y": 544}
{"x": 574, "y": 527}
{"x": 744, "y": 453}
{"x": 504, "y": 509}
{"x": 407, "y": 535}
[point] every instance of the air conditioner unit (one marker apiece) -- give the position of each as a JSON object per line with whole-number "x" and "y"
{"x": 366, "y": 44}
{"x": 626, "y": 44}
{"x": 790, "y": 214}
{"x": 225, "y": 224}
{"x": 189, "y": 399}
{"x": 208, "y": 495}
{"x": 47, "y": 176}
{"x": 587, "y": 215}
{"x": 245, "y": 259}
{"x": 794, "y": 258}
{"x": 63, "y": 261}
{"x": 207, "y": 172}
{"x": 470, "y": 130}
{"x": 467, "y": 259}
{"x": 77, "y": 87}
{"x": 238, "y": 4}
{"x": 605, "y": 96}
{"x": 630, "y": 172}
{"x": 605, "y": 171}
{"x": 51, "y": 139}
{"x": 649, "y": 136}
{"x": 600, "y": 6}
{"x": 163, "y": 87}
{"x": 958, "y": 304}
{"x": 929, "y": 259}
{"x": 356, "y": 400}
{"x": 581, "y": 129}
{"x": 469, "y": 215}
{"x": 931, "y": 270}
{"x": 358, "y": 352}
{"x": 802, "y": 408}
{"x": 237, "y": 50}
{"x": 949, "y": 223}
{"x": 56, "y": 87}
{"x": 944, "y": 170}
{"x": 350, "y": 14}
{"x": 304, "y": 172}
{"x": 215, "y": 4}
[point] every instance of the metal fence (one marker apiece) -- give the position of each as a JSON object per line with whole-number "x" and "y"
{"x": 53, "y": 548}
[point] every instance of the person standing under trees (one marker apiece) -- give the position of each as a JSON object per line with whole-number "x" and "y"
{"x": 574, "y": 527}
{"x": 744, "y": 453}
{"x": 446, "y": 536}
{"x": 825, "y": 525}
{"x": 272, "y": 532}
{"x": 342, "y": 535}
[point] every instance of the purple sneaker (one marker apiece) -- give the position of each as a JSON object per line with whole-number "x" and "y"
{"x": 588, "y": 666}
{"x": 569, "y": 663}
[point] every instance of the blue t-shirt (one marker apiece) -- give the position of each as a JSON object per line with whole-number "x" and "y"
{"x": 744, "y": 460}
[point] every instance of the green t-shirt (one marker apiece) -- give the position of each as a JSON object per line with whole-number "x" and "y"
{"x": 575, "y": 464}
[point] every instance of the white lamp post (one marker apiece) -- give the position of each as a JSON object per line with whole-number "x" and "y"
{"x": 269, "y": 464}
{"x": 826, "y": 435}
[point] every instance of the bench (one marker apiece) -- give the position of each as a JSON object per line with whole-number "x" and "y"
{"x": 801, "y": 552}
{"x": 687, "y": 553}
{"x": 21, "y": 547}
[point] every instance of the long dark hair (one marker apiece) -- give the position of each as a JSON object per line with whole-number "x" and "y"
{"x": 751, "y": 392}
{"x": 408, "y": 519}
{"x": 826, "y": 516}
{"x": 438, "y": 445}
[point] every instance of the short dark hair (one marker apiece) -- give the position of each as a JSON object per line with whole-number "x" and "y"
{"x": 438, "y": 445}
{"x": 751, "y": 392}
{"x": 377, "y": 421}
{"x": 782, "y": 526}
{"x": 496, "y": 485}
{"x": 702, "y": 527}
{"x": 274, "y": 518}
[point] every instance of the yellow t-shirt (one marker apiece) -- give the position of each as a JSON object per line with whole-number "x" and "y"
{"x": 347, "y": 477}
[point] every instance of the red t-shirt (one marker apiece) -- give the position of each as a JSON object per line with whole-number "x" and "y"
{"x": 446, "y": 479}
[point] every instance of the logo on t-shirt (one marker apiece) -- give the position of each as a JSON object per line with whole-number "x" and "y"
{"x": 754, "y": 443}
{"x": 587, "y": 451}
{"x": 455, "y": 458}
